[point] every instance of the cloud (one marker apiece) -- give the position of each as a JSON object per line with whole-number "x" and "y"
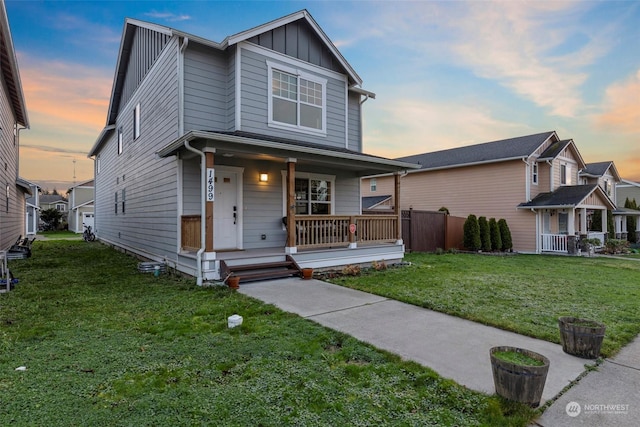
{"x": 622, "y": 107}
{"x": 49, "y": 149}
{"x": 407, "y": 126}
{"x": 167, "y": 16}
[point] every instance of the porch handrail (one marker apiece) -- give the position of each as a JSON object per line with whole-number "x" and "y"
{"x": 313, "y": 231}
{"x": 554, "y": 243}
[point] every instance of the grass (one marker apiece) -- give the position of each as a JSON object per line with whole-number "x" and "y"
{"x": 522, "y": 293}
{"x": 517, "y": 358}
{"x": 59, "y": 234}
{"x": 105, "y": 345}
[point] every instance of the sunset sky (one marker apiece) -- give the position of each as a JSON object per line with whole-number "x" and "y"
{"x": 446, "y": 74}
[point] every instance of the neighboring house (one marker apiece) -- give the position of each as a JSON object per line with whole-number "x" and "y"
{"x": 13, "y": 118}
{"x": 377, "y": 204}
{"x": 53, "y": 201}
{"x": 81, "y": 206}
{"x": 626, "y": 189}
{"x": 530, "y": 181}
{"x": 33, "y": 210}
{"x": 260, "y": 135}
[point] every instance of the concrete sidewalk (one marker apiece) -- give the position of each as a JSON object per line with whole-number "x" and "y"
{"x": 609, "y": 396}
{"x": 455, "y": 348}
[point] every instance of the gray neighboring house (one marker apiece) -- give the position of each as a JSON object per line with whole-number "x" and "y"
{"x": 626, "y": 189}
{"x": 244, "y": 150}
{"x": 32, "y": 210}
{"x": 81, "y": 207}
{"x": 13, "y": 119}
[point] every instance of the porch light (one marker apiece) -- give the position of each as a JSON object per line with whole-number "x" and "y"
{"x": 264, "y": 177}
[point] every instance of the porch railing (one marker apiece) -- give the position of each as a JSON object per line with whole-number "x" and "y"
{"x": 190, "y": 239}
{"x": 597, "y": 235}
{"x": 314, "y": 231}
{"x": 554, "y": 243}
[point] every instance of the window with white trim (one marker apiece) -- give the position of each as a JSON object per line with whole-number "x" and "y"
{"x": 373, "y": 185}
{"x": 120, "y": 140}
{"x": 136, "y": 122}
{"x": 296, "y": 100}
{"x": 534, "y": 173}
{"x": 98, "y": 163}
{"x": 313, "y": 193}
{"x": 60, "y": 207}
{"x": 564, "y": 175}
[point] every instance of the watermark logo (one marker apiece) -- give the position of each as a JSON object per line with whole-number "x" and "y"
{"x": 573, "y": 409}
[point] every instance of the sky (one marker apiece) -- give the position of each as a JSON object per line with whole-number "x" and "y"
{"x": 446, "y": 73}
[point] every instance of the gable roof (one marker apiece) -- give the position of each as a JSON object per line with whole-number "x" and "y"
{"x": 566, "y": 197}
{"x": 89, "y": 183}
{"x": 131, "y": 25}
{"x": 489, "y": 152}
{"x": 52, "y": 198}
{"x": 369, "y": 202}
{"x": 9, "y": 70}
{"x": 596, "y": 170}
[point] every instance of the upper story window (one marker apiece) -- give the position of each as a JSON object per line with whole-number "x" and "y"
{"x": 607, "y": 187}
{"x": 120, "y": 140}
{"x": 565, "y": 174}
{"x": 373, "y": 185}
{"x": 8, "y": 197}
{"x": 98, "y": 163}
{"x": 296, "y": 100}
{"x": 534, "y": 173}
{"x": 60, "y": 207}
{"x": 136, "y": 122}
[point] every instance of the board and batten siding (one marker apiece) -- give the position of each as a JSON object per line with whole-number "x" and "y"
{"x": 206, "y": 89}
{"x": 12, "y": 205}
{"x": 493, "y": 190}
{"x": 149, "y": 223}
{"x": 254, "y": 102}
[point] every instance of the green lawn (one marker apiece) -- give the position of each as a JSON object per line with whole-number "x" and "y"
{"x": 521, "y": 293}
{"x": 105, "y": 345}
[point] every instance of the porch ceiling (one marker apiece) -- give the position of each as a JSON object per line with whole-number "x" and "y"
{"x": 246, "y": 145}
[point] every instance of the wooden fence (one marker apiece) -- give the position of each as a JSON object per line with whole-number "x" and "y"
{"x": 427, "y": 231}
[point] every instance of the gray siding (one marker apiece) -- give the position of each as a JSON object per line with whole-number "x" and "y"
{"x": 191, "y": 193}
{"x": 298, "y": 40}
{"x": 145, "y": 47}
{"x": 231, "y": 89}
{"x": 355, "y": 127}
{"x": 12, "y": 210}
{"x": 150, "y": 221}
{"x": 206, "y": 89}
{"x": 254, "y": 99}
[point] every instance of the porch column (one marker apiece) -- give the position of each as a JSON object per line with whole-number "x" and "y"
{"x": 605, "y": 229}
{"x": 396, "y": 207}
{"x": 208, "y": 220}
{"x": 571, "y": 226}
{"x": 291, "y": 206}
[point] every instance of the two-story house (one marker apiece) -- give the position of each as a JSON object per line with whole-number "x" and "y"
{"x": 13, "y": 119}
{"x": 249, "y": 149}
{"x": 80, "y": 198}
{"x": 530, "y": 181}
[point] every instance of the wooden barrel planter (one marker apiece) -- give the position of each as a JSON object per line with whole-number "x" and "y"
{"x": 516, "y": 381}
{"x": 581, "y": 337}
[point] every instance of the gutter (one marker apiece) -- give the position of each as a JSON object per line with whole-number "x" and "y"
{"x": 203, "y": 213}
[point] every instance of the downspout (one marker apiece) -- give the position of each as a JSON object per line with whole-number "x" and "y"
{"x": 203, "y": 212}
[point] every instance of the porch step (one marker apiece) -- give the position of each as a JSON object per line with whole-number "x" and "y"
{"x": 262, "y": 271}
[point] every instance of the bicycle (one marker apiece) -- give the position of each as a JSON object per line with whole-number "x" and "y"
{"x": 88, "y": 235}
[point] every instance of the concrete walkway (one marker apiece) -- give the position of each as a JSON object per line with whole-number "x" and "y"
{"x": 455, "y": 348}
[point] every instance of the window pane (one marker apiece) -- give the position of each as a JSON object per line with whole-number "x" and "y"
{"x": 320, "y": 209}
{"x": 310, "y": 117}
{"x": 311, "y": 92}
{"x": 284, "y": 111}
{"x": 320, "y": 190}
{"x": 285, "y": 85}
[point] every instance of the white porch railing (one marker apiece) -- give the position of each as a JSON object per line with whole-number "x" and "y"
{"x": 597, "y": 235}
{"x": 554, "y": 243}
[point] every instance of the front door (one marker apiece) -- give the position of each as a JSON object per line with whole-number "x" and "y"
{"x": 226, "y": 211}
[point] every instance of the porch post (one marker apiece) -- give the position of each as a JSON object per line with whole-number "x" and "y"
{"x": 396, "y": 208}
{"x": 208, "y": 225}
{"x": 605, "y": 229}
{"x": 291, "y": 206}
{"x": 583, "y": 221}
{"x": 571, "y": 226}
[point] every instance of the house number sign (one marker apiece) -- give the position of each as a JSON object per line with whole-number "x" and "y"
{"x": 210, "y": 184}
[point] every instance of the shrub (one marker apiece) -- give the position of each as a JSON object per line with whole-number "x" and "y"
{"x": 351, "y": 270}
{"x": 379, "y": 265}
{"x": 472, "y": 234}
{"x": 616, "y": 246}
{"x": 444, "y": 209}
{"x": 505, "y": 235}
{"x": 496, "y": 239}
{"x": 485, "y": 236}
{"x": 631, "y": 221}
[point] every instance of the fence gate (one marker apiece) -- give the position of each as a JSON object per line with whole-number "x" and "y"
{"x": 426, "y": 231}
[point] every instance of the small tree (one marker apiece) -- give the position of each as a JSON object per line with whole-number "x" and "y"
{"x": 505, "y": 235}
{"x": 444, "y": 209}
{"x": 51, "y": 217}
{"x": 611, "y": 228}
{"x": 485, "y": 236}
{"x": 496, "y": 239}
{"x": 631, "y": 221}
{"x": 472, "y": 234}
